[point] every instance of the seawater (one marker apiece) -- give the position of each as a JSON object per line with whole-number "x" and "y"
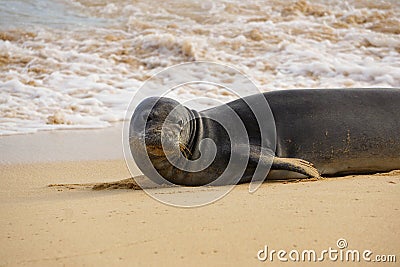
{"x": 76, "y": 64}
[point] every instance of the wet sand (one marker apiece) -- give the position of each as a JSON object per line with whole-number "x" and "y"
{"x": 78, "y": 226}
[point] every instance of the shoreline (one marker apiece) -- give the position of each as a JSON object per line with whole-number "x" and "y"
{"x": 63, "y": 145}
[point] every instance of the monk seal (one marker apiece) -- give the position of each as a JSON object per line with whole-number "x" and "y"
{"x": 328, "y": 132}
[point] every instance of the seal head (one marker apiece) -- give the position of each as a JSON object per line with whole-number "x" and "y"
{"x": 161, "y": 127}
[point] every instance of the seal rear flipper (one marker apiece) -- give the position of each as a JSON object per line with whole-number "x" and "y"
{"x": 295, "y": 165}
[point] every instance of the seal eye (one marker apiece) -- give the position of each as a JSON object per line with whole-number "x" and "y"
{"x": 147, "y": 118}
{"x": 180, "y": 122}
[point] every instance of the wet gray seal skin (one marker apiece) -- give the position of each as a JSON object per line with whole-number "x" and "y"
{"x": 339, "y": 131}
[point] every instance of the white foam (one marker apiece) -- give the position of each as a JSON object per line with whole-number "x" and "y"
{"x": 85, "y": 77}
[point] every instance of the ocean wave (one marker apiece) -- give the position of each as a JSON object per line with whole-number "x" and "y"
{"x": 83, "y": 74}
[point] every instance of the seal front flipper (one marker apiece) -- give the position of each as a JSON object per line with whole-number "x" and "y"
{"x": 295, "y": 165}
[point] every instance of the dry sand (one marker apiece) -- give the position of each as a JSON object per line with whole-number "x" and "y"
{"x": 54, "y": 226}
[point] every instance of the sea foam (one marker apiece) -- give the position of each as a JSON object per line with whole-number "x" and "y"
{"x": 82, "y": 70}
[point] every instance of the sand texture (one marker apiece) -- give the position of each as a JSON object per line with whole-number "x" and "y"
{"x": 79, "y": 226}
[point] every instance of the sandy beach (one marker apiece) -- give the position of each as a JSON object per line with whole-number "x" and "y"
{"x": 68, "y": 73}
{"x": 77, "y": 226}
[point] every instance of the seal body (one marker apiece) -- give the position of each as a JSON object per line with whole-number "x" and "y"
{"x": 341, "y": 131}
{"x": 316, "y": 131}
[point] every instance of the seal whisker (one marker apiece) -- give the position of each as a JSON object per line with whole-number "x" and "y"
{"x": 183, "y": 148}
